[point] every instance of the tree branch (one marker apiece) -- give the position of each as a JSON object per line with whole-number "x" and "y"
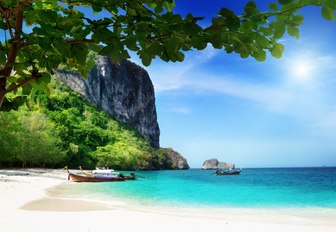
{"x": 9, "y": 28}
{"x": 23, "y": 82}
{"x": 83, "y": 40}
{"x": 15, "y": 46}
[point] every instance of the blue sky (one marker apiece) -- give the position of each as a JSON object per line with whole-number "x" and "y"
{"x": 281, "y": 112}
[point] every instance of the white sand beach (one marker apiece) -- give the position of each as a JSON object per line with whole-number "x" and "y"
{"x": 25, "y": 205}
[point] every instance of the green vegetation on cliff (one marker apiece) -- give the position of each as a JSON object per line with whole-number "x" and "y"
{"x": 61, "y": 128}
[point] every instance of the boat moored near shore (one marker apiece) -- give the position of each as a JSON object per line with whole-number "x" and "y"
{"x": 98, "y": 176}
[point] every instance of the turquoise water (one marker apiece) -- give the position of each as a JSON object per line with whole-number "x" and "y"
{"x": 269, "y": 187}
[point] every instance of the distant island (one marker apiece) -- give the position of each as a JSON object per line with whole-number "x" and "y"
{"x": 215, "y": 164}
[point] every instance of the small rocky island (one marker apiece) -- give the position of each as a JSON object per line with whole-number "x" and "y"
{"x": 215, "y": 164}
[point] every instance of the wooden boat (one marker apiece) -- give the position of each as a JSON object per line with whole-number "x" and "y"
{"x": 228, "y": 172}
{"x": 90, "y": 177}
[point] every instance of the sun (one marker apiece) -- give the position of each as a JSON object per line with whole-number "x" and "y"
{"x": 302, "y": 69}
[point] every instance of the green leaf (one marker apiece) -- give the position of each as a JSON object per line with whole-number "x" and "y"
{"x": 226, "y": 12}
{"x": 298, "y": 19}
{"x": 62, "y": 47}
{"x": 262, "y": 41}
{"x": 146, "y": 59}
{"x": 279, "y": 31}
{"x": 3, "y": 25}
{"x": 260, "y": 55}
{"x": 328, "y": 13}
{"x": 172, "y": 45}
{"x": 198, "y": 43}
{"x": 79, "y": 52}
{"x": 285, "y": 2}
{"x": 131, "y": 43}
{"x": 154, "y": 49}
{"x": 218, "y": 21}
{"x": 229, "y": 49}
{"x": 244, "y": 52}
{"x": 217, "y": 41}
{"x": 96, "y": 8}
{"x": 26, "y": 89}
{"x": 11, "y": 79}
{"x": 13, "y": 103}
{"x": 273, "y": 6}
{"x": 267, "y": 31}
{"x": 293, "y": 31}
{"x": 159, "y": 7}
{"x": 251, "y": 8}
{"x": 90, "y": 63}
{"x": 164, "y": 56}
{"x": 114, "y": 50}
{"x": 180, "y": 56}
{"x": 26, "y": 72}
{"x": 231, "y": 20}
{"x": 108, "y": 51}
{"x": 102, "y": 34}
{"x": 44, "y": 78}
{"x": 277, "y": 50}
{"x": 3, "y": 58}
{"x": 170, "y": 6}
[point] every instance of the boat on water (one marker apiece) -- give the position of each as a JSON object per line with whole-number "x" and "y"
{"x": 107, "y": 175}
{"x": 235, "y": 171}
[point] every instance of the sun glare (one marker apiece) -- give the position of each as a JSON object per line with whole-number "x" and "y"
{"x": 301, "y": 69}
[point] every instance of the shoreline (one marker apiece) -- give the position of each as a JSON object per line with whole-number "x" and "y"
{"x": 25, "y": 199}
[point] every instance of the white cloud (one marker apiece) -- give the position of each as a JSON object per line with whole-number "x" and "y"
{"x": 182, "y": 110}
{"x": 168, "y": 76}
{"x": 178, "y": 110}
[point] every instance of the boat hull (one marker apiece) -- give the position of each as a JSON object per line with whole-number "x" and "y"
{"x": 83, "y": 178}
{"x": 228, "y": 172}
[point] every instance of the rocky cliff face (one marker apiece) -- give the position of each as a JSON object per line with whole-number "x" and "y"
{"x": 123, "y": 90}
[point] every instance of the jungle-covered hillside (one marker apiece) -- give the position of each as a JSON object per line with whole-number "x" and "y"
{"x": 58, "y": 127}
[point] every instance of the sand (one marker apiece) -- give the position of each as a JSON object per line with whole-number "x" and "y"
{"x": 25, "y": 205}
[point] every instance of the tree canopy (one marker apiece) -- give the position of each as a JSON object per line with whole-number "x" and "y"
{"x": 39, "y": 36}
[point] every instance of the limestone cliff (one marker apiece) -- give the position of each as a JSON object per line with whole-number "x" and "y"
{"x": 123, "y": 90}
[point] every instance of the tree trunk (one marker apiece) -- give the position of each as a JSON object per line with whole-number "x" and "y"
{"x": 2, "y": 97}
{"x": 2, "y": 90}
{"x": 11, "y": 56}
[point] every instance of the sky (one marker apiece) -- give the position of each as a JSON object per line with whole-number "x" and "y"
{"x": 277, "y": 113}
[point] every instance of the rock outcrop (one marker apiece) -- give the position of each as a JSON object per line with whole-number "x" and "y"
{"x": 123, "y": 90}
{"x": 167, "y": 158}
{"x": 177, "y": 161}
{"x": 215, "y": 164}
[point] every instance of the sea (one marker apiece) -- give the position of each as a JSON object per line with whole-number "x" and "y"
{"x": 253, "y": 188}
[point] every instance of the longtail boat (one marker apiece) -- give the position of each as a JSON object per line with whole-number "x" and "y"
{"x": 228, "y": 172}
{"x": 91, "y": 177}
